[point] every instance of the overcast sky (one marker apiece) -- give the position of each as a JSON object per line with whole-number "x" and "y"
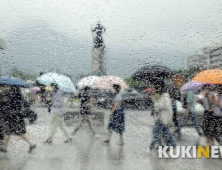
{"x": 137, "y": 31}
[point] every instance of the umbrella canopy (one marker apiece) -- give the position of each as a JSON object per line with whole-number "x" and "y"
{"x": 213, "y": 76}
{"x": 12, "y": 81}
{"x": 153, "y": 73}
{"x": 178, "y": 80}
{"x": 106, "y": 82}
{"x": 64, "y": 82}
{"x": 87, "y": 81}
{"x": 192, "y": 86}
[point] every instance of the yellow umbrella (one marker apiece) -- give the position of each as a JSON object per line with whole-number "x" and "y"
{"x": 213, "y": 76}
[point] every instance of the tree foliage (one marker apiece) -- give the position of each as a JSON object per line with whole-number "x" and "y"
{"x": 138, "y": 85}
{"x": 15, "y": 72}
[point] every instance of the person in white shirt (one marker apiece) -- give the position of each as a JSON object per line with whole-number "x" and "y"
{"x": 163, "y": 107}
{"x": 58, "y": 112}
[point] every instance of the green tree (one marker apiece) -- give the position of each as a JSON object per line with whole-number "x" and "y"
{"x": 138, "y": 85}
{"x": 15, "y": 72}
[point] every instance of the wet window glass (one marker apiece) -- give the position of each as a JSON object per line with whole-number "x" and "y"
{"x": 110, "y": 84}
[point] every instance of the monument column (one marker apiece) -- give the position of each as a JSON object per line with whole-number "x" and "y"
{"x": 98, "y": 66}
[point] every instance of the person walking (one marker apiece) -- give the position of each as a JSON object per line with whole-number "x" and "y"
{"x": 191, "y": 103}
{"x": 2, "y": 102}
{"x": 117, "y": 116}
{"x": 175, "y": 96}
{"x": 163, "y": 107}
{"x": 212, "y": 122}
{"x": 48, "y": 95}
{"x": 58, "y": 118}
{"x": 13, "y": 118}
{"x": 85, "y": 110}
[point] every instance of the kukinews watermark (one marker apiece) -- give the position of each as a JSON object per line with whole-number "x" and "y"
{"x": 191, "y": 152}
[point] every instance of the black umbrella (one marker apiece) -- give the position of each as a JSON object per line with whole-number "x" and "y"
{"x": 153, "y": 73}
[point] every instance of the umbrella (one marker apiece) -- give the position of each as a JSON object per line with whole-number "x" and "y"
{"x": 192, "y": 86}
{"x": 106, "y": 82}
{"x": 153, "y": 74}
{"x": 178, "y": 80}
{"x": 12, "y": 81}
{"x": 213, "y": 76}
{"x": 87, "y": 81}
{"x": 64, "y": 82}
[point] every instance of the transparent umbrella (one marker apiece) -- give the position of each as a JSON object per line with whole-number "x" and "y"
{"x": 64, "y": 82}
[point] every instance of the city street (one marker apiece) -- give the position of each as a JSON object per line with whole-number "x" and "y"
{"x": 90, "y": 153}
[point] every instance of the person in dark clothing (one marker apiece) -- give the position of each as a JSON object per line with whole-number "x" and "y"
{"x": 212, "y": 102}
{"x": 13, "y": 118}
{"x": 1, "y": 135}
{"x": 85, "y": 110}
{"x": 3, "y": 100}
{"x": 175, "y": 96}
{"x": 117, "y": 115}
{"x": 48, "y": 99}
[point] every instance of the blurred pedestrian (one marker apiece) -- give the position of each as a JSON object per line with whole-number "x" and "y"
{"x": 175, "y": 95}
{"x": 189, "y": 102}
{"x": 13, "y": 118}
{"x": 49, "y": 95}
{"x": 85, "y": 109}
{"x": 117, "y": 116}
{"x": 212, "y": 122}
{"x": 3, "y": 90}
{"x": 163, "y": 107}
{"x": 191, "y": 112}
{"x": 58, "y": 115}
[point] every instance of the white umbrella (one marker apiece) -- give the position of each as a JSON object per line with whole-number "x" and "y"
{"x": 64, "y": 82}
{"x": 88, "y": 81}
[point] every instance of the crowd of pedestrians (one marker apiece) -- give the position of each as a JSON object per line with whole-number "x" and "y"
{"x": 12, "y": 116}
{"x": 164, "y": 110}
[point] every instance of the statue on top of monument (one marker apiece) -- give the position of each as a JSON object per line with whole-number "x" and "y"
{"x": 98, "y": 39}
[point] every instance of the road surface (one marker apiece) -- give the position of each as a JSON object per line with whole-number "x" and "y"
{"x": 90, "y": 153}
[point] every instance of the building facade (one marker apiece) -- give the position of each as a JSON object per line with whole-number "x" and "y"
{"x": 210, "y": 57}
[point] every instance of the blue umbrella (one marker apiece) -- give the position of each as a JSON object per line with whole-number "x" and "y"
{"x": 12, "y": 81}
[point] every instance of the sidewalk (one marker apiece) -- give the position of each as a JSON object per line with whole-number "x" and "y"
{"x": 90, "y": 153}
